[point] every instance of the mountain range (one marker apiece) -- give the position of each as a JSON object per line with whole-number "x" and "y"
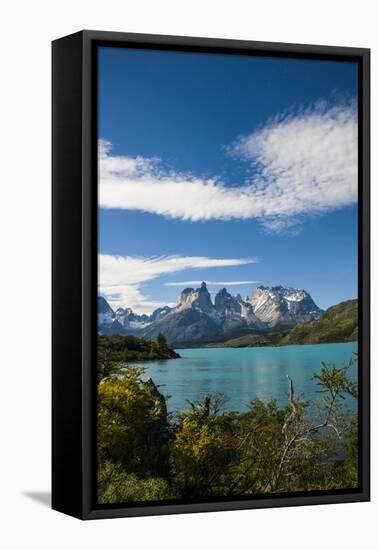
{"x": 196, "y": 318}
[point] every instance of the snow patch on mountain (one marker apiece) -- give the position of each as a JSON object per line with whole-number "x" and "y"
{"x": 284, "y": 306}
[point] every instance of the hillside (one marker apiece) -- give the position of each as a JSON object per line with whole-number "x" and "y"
{"x": 339, "y": 323}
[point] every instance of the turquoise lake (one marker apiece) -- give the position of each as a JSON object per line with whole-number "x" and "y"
{"x": 242, "y": 373}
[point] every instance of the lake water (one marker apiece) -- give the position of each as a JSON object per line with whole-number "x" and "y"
{"x": 243, "y": 373}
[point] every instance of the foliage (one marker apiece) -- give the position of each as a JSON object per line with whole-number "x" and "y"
{"x": 114, "y": 351}
{"x": 335, "y": 382}
{"x": 207, "y": 452}
{"x": 116, "y": 485}
{"x": 338, "y": 324}
{"x": 200, "y": 451}
{"x": 132, "y": 423}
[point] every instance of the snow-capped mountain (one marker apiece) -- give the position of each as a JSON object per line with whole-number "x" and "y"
{"x": 160, "y": 313}
{"x": 235, "y": 312}
{"x": 283, "y": 306}
{"x": 124, "y": 320}
{"x": 107, "y": 321}
{"x": 130, "y": 320}
{"x": 197, "y": 318}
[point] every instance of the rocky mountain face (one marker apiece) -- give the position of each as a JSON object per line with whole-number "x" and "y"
{"x": 198, "y": 299}
{"x": 280, "y": 306}
{"x": 197, "y": 318}
{"x": 234, "y": 312}
{"x": 194, "y": 318}
{"x": 131, "y": 321}
{"x": 159, "y": 313}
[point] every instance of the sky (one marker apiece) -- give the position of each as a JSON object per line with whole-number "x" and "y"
{"x": 235, "y": 170}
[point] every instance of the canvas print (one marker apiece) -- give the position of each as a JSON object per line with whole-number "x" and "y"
{"x": 227, "y": 353}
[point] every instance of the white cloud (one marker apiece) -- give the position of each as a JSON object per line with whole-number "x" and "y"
{"x": 121, "y": 277}
{"x": 210, "y": 283}
{"x": 303, "y": 163}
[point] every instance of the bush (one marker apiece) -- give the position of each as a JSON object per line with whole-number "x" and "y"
{"x": 205, "y": 452}
{"x": 132, "y": 424}
{"x": 115, "y": 485}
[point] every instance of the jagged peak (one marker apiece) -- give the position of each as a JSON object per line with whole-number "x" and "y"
{"x": 222, "y": 292}
{"x": 187, "y": 290}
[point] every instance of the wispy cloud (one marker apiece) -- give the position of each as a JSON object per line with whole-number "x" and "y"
{"x": 210, "y": 283}
{"x": 304, "y": 163}
{"x": 122, "y": 277}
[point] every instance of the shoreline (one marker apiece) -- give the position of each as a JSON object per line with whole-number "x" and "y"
{"x": 210, "y": 346}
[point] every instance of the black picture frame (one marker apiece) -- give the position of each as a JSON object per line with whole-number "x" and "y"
{"x": 74, "y": 270}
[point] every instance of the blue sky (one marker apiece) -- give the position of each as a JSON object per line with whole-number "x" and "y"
{"x": 225, "y": 169}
